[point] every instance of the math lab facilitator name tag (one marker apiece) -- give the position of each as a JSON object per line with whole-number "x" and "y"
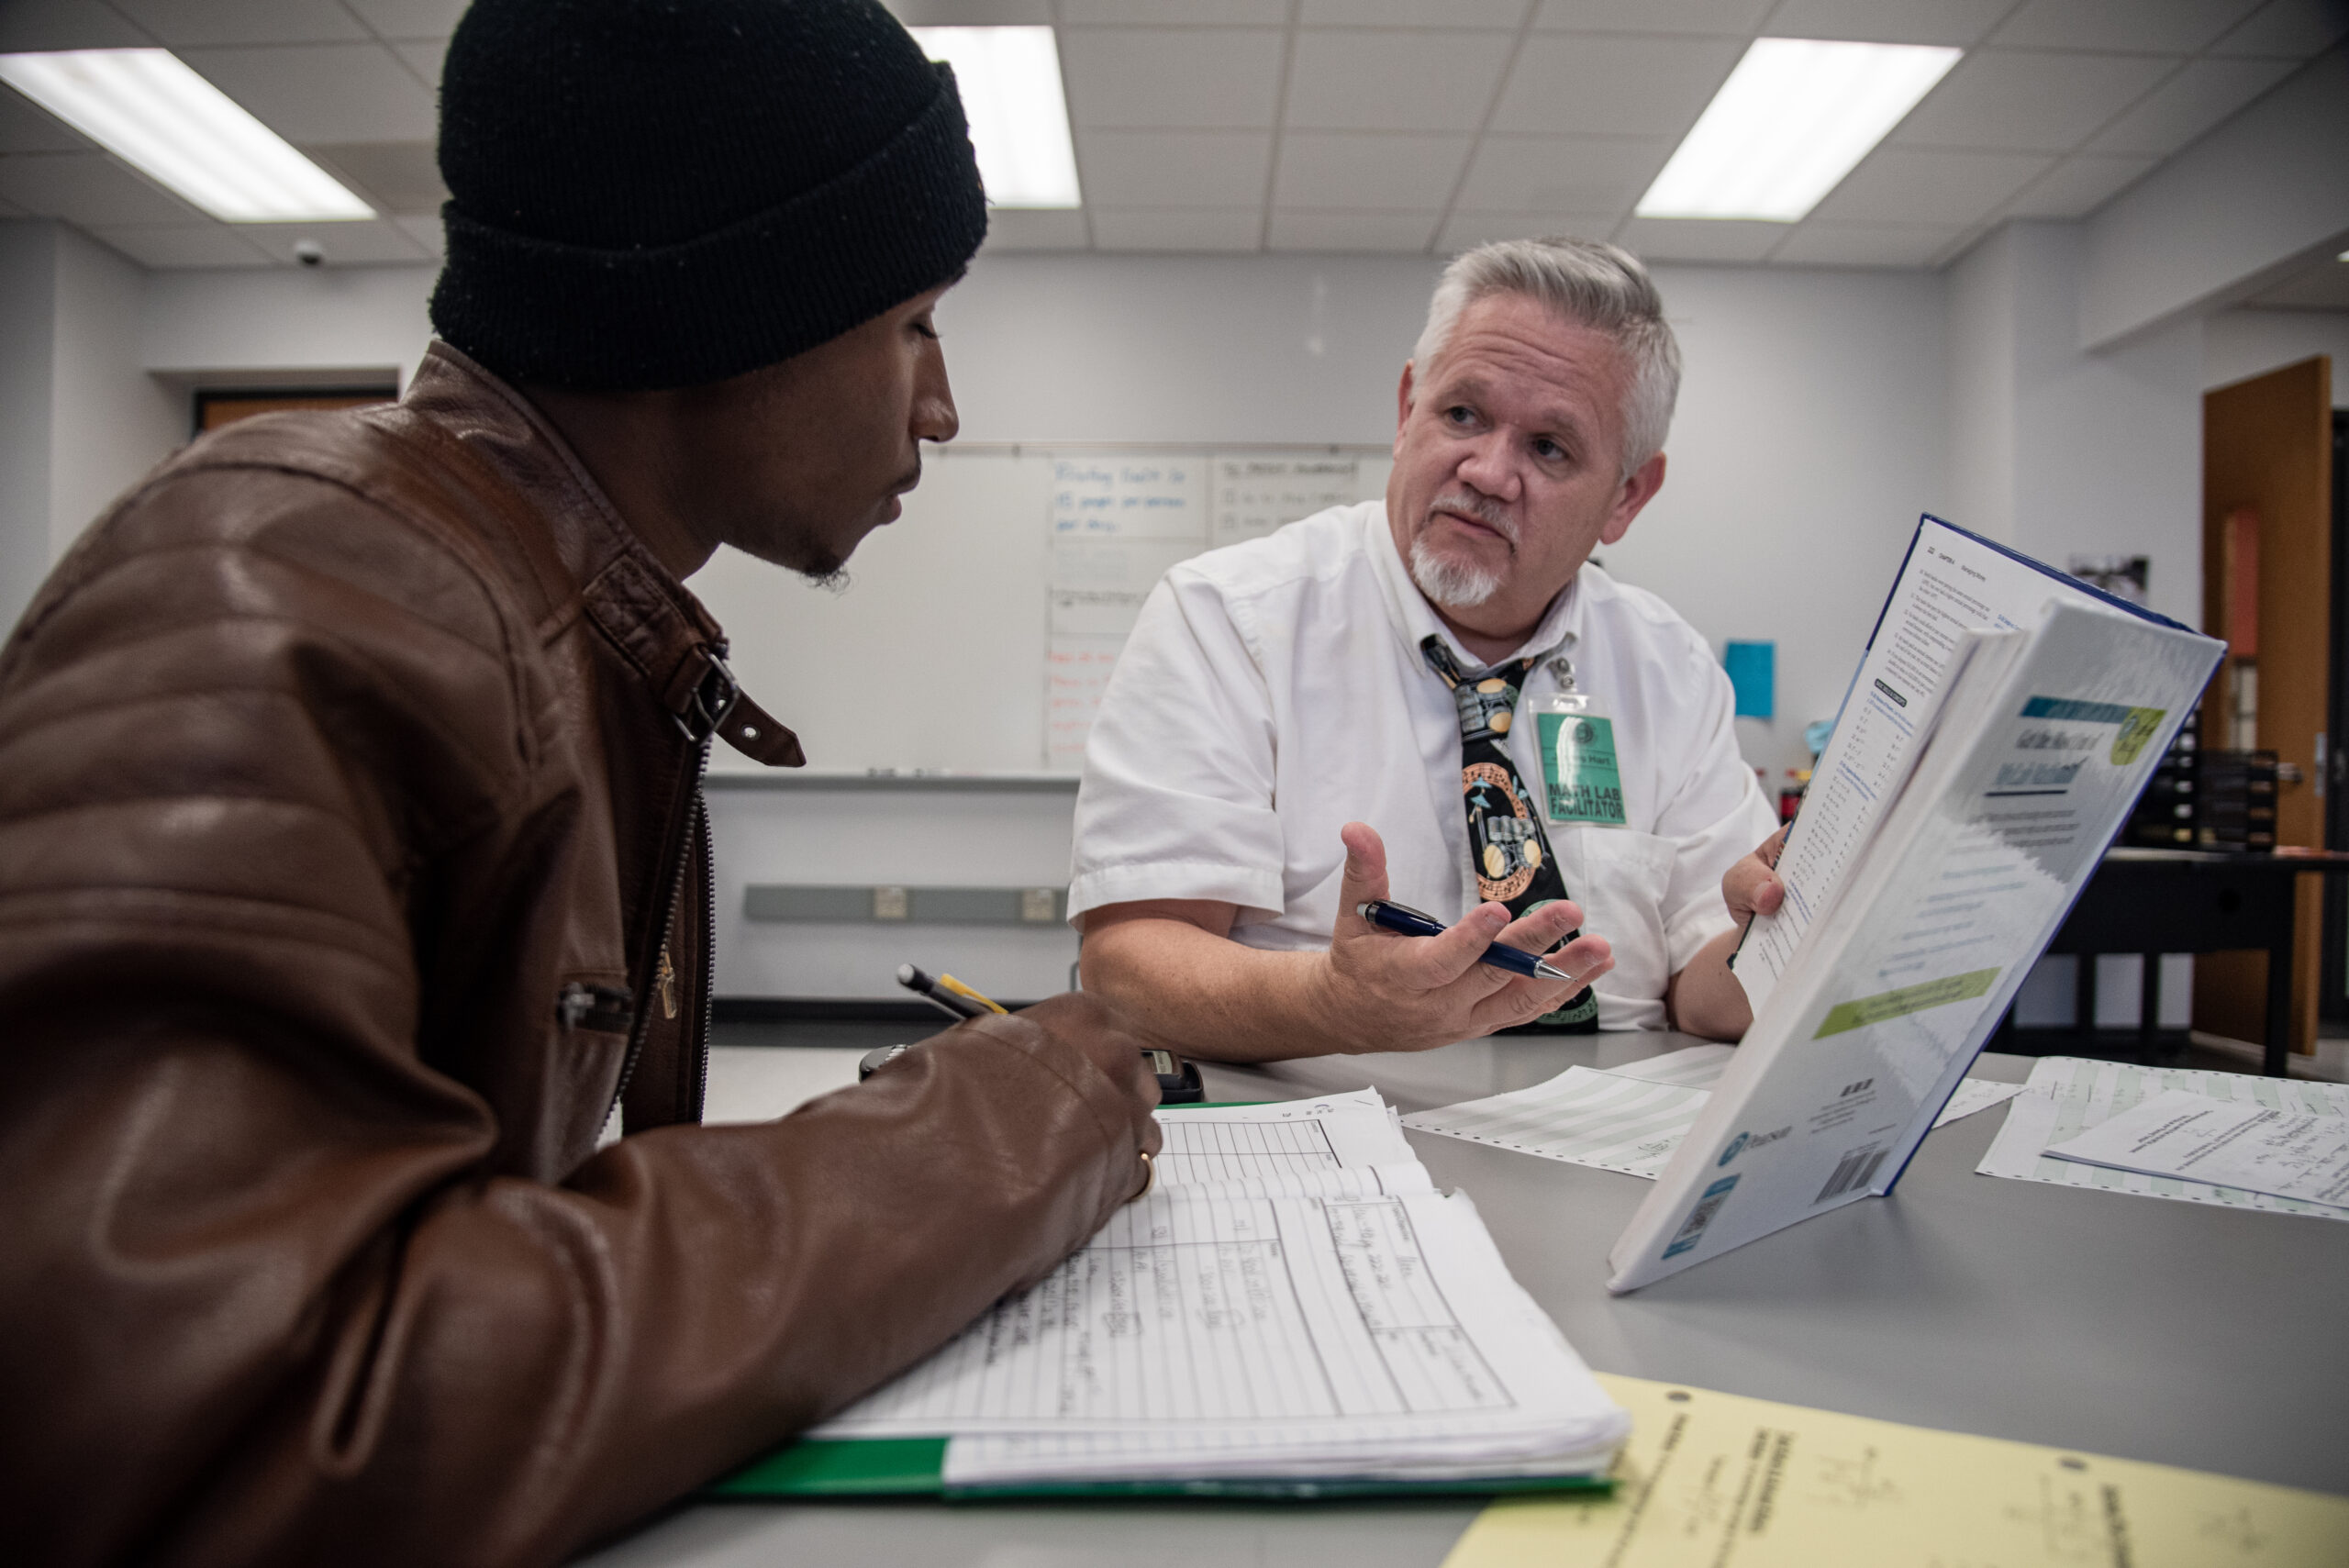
{"x": 1580, "y": 780}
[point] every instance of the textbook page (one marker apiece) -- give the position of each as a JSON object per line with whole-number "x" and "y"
{"x": 1326, "y": 1324}
{"x": 2181, "y": 1134}
{"x": 2069, "y": 1094}
{"x": 1951, "y": 584}
{"x": 1969, "y": 875}
{"x": 1719, "y": 1481}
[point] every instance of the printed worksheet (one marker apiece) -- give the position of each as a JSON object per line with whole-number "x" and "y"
{"x": 2179, "y": 1133}
{"x": 1616, "y": 1120}
{"x": 1719, "y": 1480}
{"x": 2068, "y": 1096}
{"x": 1328, "y": 1321}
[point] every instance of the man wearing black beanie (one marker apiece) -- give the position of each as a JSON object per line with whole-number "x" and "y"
{"x": 353, "y": 868}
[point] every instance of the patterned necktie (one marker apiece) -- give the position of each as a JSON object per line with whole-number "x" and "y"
{"x": 1505, "y": 846}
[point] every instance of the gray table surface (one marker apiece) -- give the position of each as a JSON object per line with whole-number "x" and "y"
{"x": 2214, "y": 1338}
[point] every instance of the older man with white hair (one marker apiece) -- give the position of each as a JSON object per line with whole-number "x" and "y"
{"x": 1439, "y": 701}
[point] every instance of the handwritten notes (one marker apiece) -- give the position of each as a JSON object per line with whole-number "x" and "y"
{"x": 1118, "y": 523}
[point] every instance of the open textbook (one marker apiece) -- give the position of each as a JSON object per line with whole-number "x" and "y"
{"x": 1294, "y": 1301}
{"x": 2000, "y": 729}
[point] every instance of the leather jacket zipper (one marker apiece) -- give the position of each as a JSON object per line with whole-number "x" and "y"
{"x": 710, "y": 702}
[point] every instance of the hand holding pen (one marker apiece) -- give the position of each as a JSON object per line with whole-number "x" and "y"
{"x": 1394, "y": 984}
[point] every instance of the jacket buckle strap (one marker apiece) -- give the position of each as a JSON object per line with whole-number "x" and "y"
{"x": 708, "y": 698}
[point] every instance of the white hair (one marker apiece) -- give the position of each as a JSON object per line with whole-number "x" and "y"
{"x": 1592, "y": 285}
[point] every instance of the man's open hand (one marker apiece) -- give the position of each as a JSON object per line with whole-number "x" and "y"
{"x": 1397, "y": 993}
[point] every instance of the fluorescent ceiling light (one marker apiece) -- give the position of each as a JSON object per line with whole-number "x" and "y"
{"x": 1011, "y": 82}
{"x": 148, "y": 109}
{"x": 1789, "y": 123}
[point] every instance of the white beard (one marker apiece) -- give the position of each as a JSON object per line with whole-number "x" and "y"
{"x": 1452, "y": 584}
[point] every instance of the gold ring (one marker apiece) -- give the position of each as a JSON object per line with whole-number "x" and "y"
{"x": 1149, "y": 1177}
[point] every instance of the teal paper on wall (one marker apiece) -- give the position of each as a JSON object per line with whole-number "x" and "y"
{"x": 1753, "y": 675}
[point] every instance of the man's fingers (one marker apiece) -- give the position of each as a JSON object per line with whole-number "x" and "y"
{"x": 1427, "y": 963}
{"x": 1584, "y": 958}
{"x": 1540, "y": 931}
{"x": 1364, "y": 877}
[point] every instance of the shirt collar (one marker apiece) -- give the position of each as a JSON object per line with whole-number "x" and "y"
{"x": 1414, "y": 618}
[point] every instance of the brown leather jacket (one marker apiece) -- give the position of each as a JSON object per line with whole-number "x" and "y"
{"x": 349, "y": 777}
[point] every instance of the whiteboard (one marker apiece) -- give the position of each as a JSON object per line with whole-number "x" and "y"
{"x": 974, "y": 634}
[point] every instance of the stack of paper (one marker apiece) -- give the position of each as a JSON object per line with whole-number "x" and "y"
{"x": 1627, "y": 1118}
{"x": 2119, "y": 1127}
{"x": 1293, "y": 1300}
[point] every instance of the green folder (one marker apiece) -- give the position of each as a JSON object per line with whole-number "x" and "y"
{"x": 914, "y": 1467}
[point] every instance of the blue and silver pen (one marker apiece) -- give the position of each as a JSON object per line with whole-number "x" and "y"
{"x": 1388, "y": 915}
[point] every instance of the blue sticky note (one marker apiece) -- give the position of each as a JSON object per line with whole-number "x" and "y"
{"x": 1753, "y": 675}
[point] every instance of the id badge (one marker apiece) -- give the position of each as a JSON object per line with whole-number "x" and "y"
{"x": 1581, "y": 785}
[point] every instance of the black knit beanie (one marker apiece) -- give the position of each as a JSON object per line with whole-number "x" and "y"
{"x": 663, "y": 193}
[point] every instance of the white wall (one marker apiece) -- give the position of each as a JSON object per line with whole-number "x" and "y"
{"x": 110, "y": 422}
{"x": 27, "y": 329}
{"x": 2060, "y": 451}
{"x": 290, "y": 327}
{"x": 80, "y": 419}
{"x": 2239, "y": 344}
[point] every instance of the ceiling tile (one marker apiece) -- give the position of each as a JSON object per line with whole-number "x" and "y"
{"x": 2157, "y": 27}
{"x": 1739, "y": 18}
{"x": 1865, "y": 245}
{"x": 182, "y": 245}
{"x": 1157, "y": 78}
{"x": 1700, "y": 239}
{"x": 1344, "y": 170}
{"x": 1407, "y": 232}
{"x": 1562, "y": 173}
{"x": 345, "y": 244}
{"x": 2288, "y": 30}
{"x": 2077, "y": 186}
{"x": 1394, "y": 81}
{"x": 27, "y": 25}
{"x": 1925, "y": 186}
{"x": 410, "y": 18}
{"x": 178, "y": 22}
{"x": 2188, "y": 104}
{"x": 323, "y": 92}
{"x": 1175, "y": 168}
{"x": 1450, "y": 14}
{"x": 1613, "y": 87}
{"x": 1465, "y": 231}
{"x": 1032, "y": 229}
{"x": 396, "y": 176}
{"x": 1203, "y": 13}
{"x": 88, "y": 188}
{"x": 423, "y": 57}
{"x": 26, "y": 127}
{"x": 425, "y": 231}
{"x": 2045, "y": 103}
{"x": 967, "y": 12}
{"x": 1958, "y": 23}
{"x": 1227, "y": 228}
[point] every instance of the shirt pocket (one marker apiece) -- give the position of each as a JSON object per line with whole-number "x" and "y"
{"x": 1621, "y": 877}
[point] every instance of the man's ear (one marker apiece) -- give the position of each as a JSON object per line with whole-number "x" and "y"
{"x": 1402, "y": 405}
{"x": 1637, "y": 492}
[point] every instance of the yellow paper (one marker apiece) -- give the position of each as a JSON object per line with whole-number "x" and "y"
{"x": 1717, "y": 1481}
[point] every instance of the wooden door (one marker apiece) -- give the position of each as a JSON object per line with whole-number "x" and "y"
{"x": 2267, "y": 452}
{"x": 214, "y": 409}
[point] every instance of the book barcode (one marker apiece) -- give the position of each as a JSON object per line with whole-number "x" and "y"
{"x": 1854, "y": 1170}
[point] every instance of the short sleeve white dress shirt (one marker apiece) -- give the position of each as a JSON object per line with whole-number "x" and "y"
{"x": 1273, "y": 691}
